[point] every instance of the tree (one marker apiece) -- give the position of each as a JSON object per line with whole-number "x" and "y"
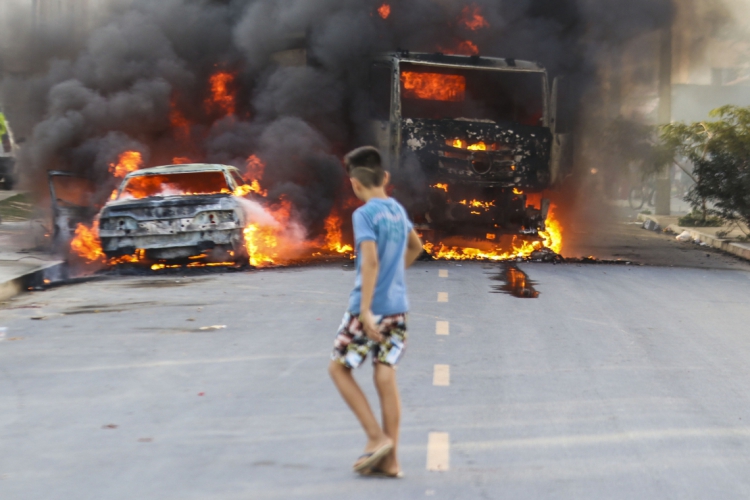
{"x": 720, "y": 153}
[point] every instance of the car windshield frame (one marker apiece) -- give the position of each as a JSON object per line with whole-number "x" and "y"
{"x": 153, "y": 184}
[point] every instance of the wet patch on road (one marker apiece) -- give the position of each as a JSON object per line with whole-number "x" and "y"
{"x": 515, "y": 282}
{"x": 162, "y": 283}
{"x": 107, "y": 308}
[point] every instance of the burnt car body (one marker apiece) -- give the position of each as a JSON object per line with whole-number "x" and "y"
{"x": 71, "y": 204}
{"x": 174, "y": 212}
{"x": 482, "y": 129}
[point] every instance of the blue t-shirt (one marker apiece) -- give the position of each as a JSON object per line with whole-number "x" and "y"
{"x": 385, "y": 222}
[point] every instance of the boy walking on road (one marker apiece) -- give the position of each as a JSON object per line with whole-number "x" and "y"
{"x": 375, "y": 321}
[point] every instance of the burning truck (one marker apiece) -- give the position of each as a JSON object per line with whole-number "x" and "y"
{"x": 485, "y": 133}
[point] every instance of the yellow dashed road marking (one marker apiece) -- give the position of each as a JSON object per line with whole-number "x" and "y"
{"x": 442, "y": 328}
{"x": 443, "y": 273}
{"x": 442, "y": 296}
{"x": 438, "y": 451}
{"x": 442, "y": 376}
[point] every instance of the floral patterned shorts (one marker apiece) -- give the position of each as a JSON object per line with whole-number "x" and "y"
{"x": 352, "y": 346}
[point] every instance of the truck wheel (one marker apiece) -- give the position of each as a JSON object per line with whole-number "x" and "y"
{"x": 8, "y": 184}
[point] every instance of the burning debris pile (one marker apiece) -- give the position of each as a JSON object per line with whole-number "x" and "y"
{"x": 231, "y": 83}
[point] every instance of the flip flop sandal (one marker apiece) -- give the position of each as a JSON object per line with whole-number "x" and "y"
{"x": 371, "y": 459}
{"x": 382, "y": 473}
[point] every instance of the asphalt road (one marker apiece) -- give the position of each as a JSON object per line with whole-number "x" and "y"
{"x": 617, "y": 382}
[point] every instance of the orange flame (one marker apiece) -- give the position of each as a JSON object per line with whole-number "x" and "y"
{"x": 259, "y": 241}
{"x": 129, "y": 161}
{"x": 253, "y": 187}
{"x": 467, "y": 48}
{"x": 551, "y": 238}
{"x": 471, "y": 18}
{"x": 384, "y": 11}
{"x": 254, "y": 168}
{"x": 180, "y": 124}
{"x": 181, "y": 160}
{"x": 464, "y": 48}
{"x": 433, "y": 86}
{"x": 443, "y": 187}
{"x": 334, "y": 236}
{"x": 86, "y": 243}
{"x": 479, "y": 146}
{"x": 222, "y": 98}
{"x": 519, "y": 249}
{"x": 139, "y": 256}
{"x": 262, "y": 241}
{"x": 486, "y": 205}
{"x": 253, "y": 171}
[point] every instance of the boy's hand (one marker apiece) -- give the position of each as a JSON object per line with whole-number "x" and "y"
{"x": 414, "y": 249}
{"x": 370, "y": 327}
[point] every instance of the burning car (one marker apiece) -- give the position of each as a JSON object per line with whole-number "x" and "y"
{"x": 175, "y": 212}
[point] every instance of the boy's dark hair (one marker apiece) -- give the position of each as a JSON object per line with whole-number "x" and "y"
{"x": 366, "y": 165}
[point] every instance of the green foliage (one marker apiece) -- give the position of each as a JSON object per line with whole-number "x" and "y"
{"x": 695, "y": 219}
{"x": 720, "y": 153}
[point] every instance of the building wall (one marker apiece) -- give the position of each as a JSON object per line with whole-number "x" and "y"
{"x": 70, "y": 14}
{"x": 711, "y": 57}
{"x": 16, "y": 17}
{"x": 22, "y": 22}
{"x": 710, "y": 63}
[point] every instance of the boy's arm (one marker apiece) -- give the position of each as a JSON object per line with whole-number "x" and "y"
{"x": 413, "y": 249}
{"x": 369, "y": 268}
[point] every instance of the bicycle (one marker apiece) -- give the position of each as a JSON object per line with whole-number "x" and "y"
{"x": 641, "y": 195}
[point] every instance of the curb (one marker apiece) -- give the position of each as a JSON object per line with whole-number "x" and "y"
{"x": 34, "y": 278}
{"x": 712, "y": 241}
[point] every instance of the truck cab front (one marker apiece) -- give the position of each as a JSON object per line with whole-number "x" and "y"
{"x": 480, "y": 131}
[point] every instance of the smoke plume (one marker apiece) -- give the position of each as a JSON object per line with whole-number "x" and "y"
{"x": 139, "y": 79}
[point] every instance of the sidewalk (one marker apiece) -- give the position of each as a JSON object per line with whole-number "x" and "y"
{"x": 22, "y": 264}
{"x": 707, "y": 235}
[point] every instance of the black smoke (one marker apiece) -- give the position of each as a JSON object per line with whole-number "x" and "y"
{"x": 118, "y": 88}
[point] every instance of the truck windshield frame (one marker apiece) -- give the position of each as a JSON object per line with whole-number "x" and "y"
{"x": 435, "y": 92}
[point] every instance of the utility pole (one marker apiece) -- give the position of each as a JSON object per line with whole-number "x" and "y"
{"x": 664, "y": 179}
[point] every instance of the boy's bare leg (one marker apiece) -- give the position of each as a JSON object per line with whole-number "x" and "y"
{"x": 390, "y": 403}
{"x": 357, "y": 401}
